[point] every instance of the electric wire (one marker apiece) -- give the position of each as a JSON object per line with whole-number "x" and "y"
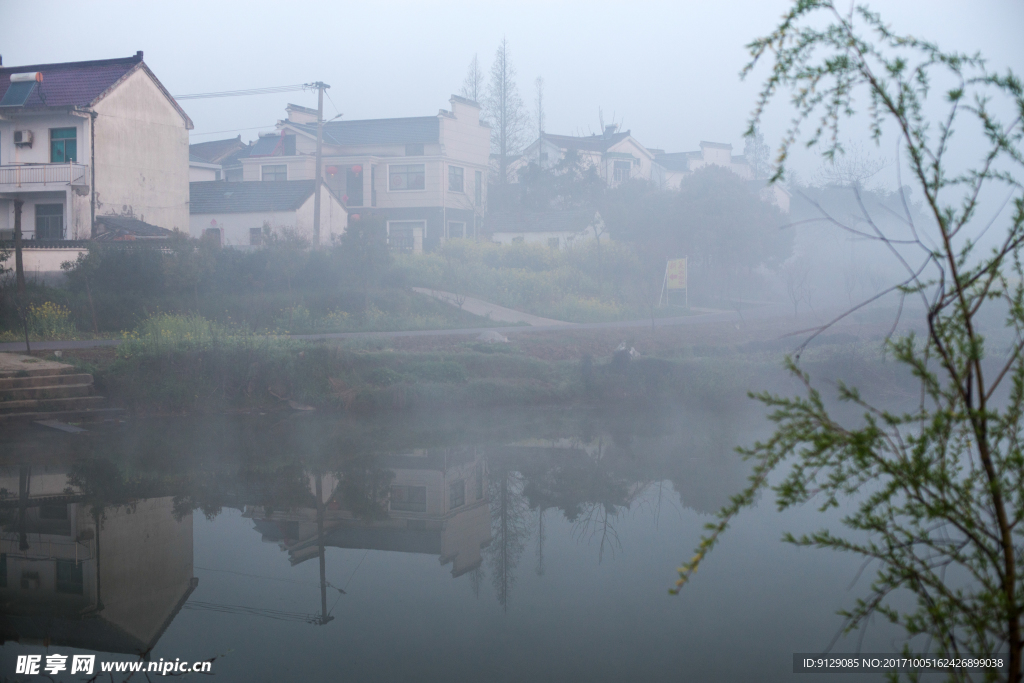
{"x": 240, "y": 93}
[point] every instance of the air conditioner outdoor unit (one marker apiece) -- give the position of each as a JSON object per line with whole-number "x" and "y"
{"x": 23, "y": 137}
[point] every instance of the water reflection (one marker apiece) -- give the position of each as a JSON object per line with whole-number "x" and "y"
{"x": 71, "y": 574}
{"x": 98, "y": 529}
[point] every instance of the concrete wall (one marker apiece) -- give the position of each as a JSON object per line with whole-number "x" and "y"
{"x": 142, "y": 154}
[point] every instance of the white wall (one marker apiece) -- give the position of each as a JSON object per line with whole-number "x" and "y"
{"x": 142, "y": 154}
{"x": 235, "y": 227}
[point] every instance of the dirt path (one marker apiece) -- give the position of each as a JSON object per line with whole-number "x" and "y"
{"x": 488, "y": 310}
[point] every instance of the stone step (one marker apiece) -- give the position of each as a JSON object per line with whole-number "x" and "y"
{"x": 43, "y": 381}
{"x": 64, "y": 415}
{"x": 57, "y": 391}
{"x": 47, "y": 404}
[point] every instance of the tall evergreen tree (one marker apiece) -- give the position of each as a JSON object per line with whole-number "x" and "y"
{"x": 505, "y": 110}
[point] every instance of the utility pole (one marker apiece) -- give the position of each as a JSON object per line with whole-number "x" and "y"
{"x": 19, "y": 264}
{"x": 320, "y": 87}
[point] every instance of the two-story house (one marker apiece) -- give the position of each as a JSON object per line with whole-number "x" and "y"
{"x": 80, "y": 140}
{"x": 617, "y": 156}
{"x": 426, "y": 175}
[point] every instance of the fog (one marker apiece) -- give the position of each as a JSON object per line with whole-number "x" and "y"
{"x": 668, "y": 71}
{"x": 448, "y": 382}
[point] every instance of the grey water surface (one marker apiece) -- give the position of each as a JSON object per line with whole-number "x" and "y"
{"x": 491, "y": 546}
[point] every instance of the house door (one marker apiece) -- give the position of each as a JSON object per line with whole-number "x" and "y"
{"x": 49, "y": 221}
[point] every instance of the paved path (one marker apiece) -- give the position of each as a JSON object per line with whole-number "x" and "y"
{"x": 722, "y": 316}
{"x": 488, "y": 310}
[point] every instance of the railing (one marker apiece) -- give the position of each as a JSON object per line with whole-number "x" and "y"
{"x": 35, "y": 175}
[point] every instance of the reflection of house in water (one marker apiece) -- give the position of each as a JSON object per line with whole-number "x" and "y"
{"x": 432, "y": 502}
{"x": 112, "y": 584}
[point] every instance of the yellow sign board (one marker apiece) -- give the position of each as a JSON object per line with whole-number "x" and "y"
{"x": 675, "y": 274}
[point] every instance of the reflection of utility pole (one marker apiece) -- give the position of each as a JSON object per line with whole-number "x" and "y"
{"x": 540, "y": 543}
{"x": 24, "y": 474}
{"x": 320, "y": 545}
{"x": 320, "y": 86}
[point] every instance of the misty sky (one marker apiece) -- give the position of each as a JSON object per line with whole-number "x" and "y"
{"x": 668, "y": 70}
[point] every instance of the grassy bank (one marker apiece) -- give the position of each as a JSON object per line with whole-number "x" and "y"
{"x": 198, "y": 367}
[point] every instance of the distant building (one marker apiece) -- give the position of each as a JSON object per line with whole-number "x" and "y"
{"x": 216, "y": 159}
{"x": 235, "y": 214}
{"x": 555, "y": 229}
{"x": 672, "y": 168}
{"x": 426, "y": 176}
{"x": 81, "y": 140}
{"x": 616, "y": 156}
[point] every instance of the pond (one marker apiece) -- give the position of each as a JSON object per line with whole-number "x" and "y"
{"x": 490, "y": 546}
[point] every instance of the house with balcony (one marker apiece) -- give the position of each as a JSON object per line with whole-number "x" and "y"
{"x": 83, "y": 140}
{"x": 426, "y": 175}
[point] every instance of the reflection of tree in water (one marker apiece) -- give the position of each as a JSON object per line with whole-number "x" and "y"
{"x": 363, "y": 488}
{"x": 509, "y": 529}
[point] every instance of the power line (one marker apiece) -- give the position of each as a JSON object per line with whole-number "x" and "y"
{"x": 240, "y": 93}
{"x": 232, "y": 130}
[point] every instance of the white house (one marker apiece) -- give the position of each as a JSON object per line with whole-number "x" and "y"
{"x": 79, "y": 140}
{"x": 617, "y": 156}
{"x": 235, "y": 214}
{"x": 670, "y": 169}
{"x": 425, "y": 175}
{"x": 555, "y": 229}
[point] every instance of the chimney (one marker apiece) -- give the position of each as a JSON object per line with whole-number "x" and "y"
{"x": 611, "y": 128}
{"x": 138, "y": 56}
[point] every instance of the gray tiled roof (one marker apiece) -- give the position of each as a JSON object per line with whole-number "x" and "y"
{"x": 214, "y": 151}
{"x": 676, "y": 161}
{"x": 75, "y": 84}
{"x": 540, "y": 221}
{"x": 590, "y": 143}
{"x": 126, "y": 227}
{"x": 418, "y": 129}
{"x": 250, "y": 196}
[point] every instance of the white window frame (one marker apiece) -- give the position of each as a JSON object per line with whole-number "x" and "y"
{"x": 422, "y": 224}
{"x": 266, "y": 166}
{"x": 418, "y": 189}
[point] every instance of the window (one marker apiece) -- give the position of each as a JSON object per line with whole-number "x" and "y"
{"x": 233, "y": 175}
{"x": 402, "y": 234}
{"x": 69, "y": 577}
{"x": 623, "y": 169}
{"x": 456, "y": 230}
{"x": 354, "y": 186}
{"x": 478, "y": 187}
{"x": 414, "y": 150}
{"x": 63, "y": 145}
{"x": 455, "y": 179}
{"x": 53, "y": 512}
{"x": 407, "y": 177}
{"x": 518, "y": 240}
{"x": 553, "y": 242}
{"x": 49, "y": 221}
{"x": 212, "y": 236}
{"x": 255, "y": 237}
{"x": 409, "y": 498}
{"x": 275, "y": 172}
{"x": 456, "y": 494}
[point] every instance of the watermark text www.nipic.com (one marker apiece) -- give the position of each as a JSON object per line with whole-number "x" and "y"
{"x": 38, "y": 665}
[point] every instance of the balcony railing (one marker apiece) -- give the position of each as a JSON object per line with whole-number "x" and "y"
{"x": 37, "y": 176}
